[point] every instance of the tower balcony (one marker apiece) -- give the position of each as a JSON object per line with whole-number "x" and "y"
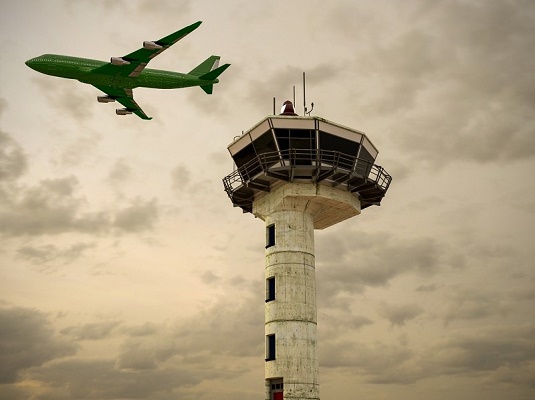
{"x": 282, "y": 149}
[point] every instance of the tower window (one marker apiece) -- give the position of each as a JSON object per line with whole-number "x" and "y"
{"x": 270, "y": 347}
{"x": 270, "y": 289}
{"x": 270, "y": 235}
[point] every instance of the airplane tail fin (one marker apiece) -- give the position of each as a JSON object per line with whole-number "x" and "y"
{"x": 206, "y": 66}
{"x": 209, "y": 70}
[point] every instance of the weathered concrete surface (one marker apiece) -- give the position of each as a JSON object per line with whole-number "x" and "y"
{"x": 297, "y": 209}
{"x": 326, "y": 204}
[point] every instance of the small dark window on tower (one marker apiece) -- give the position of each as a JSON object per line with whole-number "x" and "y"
{"x": 270, "y": 289}
{"x": 270, "y": 347}
{"x": 270, "y": 236}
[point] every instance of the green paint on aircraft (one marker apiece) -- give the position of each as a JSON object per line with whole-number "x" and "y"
{"x": 122, "y": 74}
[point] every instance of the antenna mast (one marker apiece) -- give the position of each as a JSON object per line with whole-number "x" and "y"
{"x": 304, "y": 96}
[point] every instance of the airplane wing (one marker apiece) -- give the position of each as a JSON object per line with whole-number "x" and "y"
{"x": 132, "y": 64}
{"x": 126, "y": 98}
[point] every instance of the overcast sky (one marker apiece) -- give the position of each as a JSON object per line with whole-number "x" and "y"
{"x": 125, "y": 272}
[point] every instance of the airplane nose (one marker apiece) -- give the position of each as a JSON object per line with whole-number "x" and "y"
{"x": 31, "y": 63}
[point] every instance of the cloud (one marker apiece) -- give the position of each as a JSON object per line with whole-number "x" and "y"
{"x": 209, "y": 277}
{"x": 27, "y": 340}
{"x": 427, "y": 288}
{"x": 332, "y": 325}
{"x": 147, "y": 7}
{"x": 470, "y": 304}
{"x": 91, "y": 331}
{"x": 399, "y": 314}
{"x": 3, "y": 105}
{"x": 147, "y": 328}
{"x": 380, "y": 363}
{"x": 180, "y": 177}
{"x": 100, "y": 379}
{"x": 491, "y": 352}
{"x": 65, "y": 96}
{"x": 140, "y": 215}
{"x": 45, "y": 254}
{"x": 456, "y": 75}
{"x": 486, "y": 349}
{"x": 120, "y": 172}
{"x": 349, "y": 266}
{"x": 50, "y": 208}
{"x": 13, "y": 162}
{"x": 82, "y": 147}
{"x": 154, "y": 361}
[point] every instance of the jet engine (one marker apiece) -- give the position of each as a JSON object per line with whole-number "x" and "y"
{"x": 123, "y": 111}
{"x": 147, "y": 44}
{"x": 119, "y": 61}
{"x": 105, "y": 99}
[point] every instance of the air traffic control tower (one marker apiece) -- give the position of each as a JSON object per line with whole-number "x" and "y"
{"x": 299, "y": 174}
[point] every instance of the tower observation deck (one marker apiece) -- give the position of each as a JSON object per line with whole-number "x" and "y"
{"x": 298, "y": 174}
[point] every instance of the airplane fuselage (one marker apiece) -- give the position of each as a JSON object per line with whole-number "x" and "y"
{"x": 81, "y": 69}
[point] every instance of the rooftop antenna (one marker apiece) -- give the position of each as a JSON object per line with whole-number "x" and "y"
{"x": 274, "y": 106}
{"x": 304, "y": 96}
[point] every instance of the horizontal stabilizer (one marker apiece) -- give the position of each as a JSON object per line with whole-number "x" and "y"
{"x": 210, "y": 76}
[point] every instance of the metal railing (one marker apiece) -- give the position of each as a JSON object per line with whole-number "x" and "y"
{"x": 317, "y": 164}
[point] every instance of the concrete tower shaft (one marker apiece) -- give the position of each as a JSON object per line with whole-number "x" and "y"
{"x": 291, "y": 212}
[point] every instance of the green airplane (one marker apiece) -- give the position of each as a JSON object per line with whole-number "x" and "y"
{"x": 122, "y": 74}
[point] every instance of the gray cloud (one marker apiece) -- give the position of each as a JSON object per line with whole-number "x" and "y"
{"x": 487, "y": 349}
{"x": 155, "y": 361}
{"x": 100, "y": 379}
{"x": 27, "y": 340}
{"x": 120, "y": 172}
{"x": 350, "y": 266}
{"x": 456, "y": 73}
{"x": 470, "y": 304}
{"x": 46, "y": 254}
{"x": 147, "y": 7}
{"x": 140, "y": 215}
{"x": 3, "y": 105}
{"x": 91, "y": 331}
{"x": 13, "y": 161}
{"x": 427, "y": 288}
{"x": 209, "y": 277}
{"x": 63, "y": 95}
{"x": 332, "y": 325}
{"x": 81, "y": 147}
{"x": 180, "y": 177}
{"x": 50, "y": 208}
{"x": 147, "y": 328}
{"x": 399, "y": 314}
{"x": 380, "y": 363}
{"x": 496, "y": 352}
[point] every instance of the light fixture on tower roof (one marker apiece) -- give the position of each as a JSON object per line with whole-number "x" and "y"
{"x": 288, "y": 108}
